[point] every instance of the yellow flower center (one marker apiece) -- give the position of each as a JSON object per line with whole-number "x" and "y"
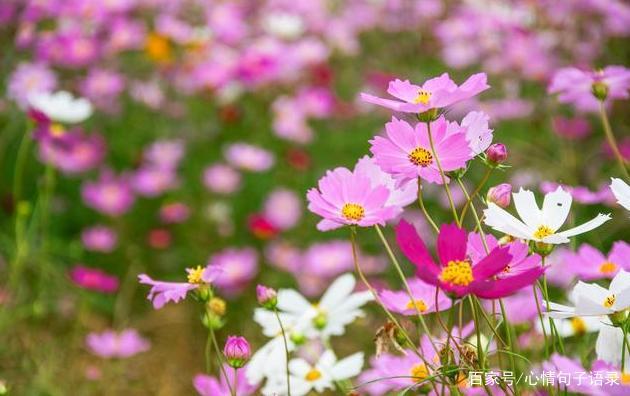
{"x": 419, "y": 305}
{"x": 625, "y": 378}
{"x": 610, "y": 301}
{"x": 419, "y": 372}
{"x": 57, "y": 130}
{"x": 608, "y": 267}
{"x": 578, "y": 325}
{"x": 420, "y": 157}
{"x": 457, "y": 273}
{"x": 195, "y": 275}
{"x": 423, "y": 97}
{"x": 217, "y": 306}
{"x": 158, "y": 47}
{"x": 543, "y": 231}
{"x": 313, "y": 375}
{"x": 353, "y": 212}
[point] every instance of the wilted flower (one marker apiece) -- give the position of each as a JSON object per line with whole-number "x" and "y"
{"x": 500, "y": 195}
{"x": 236, "y": 351}
{"x": 539, "y": 225}
{"x": 111, "y": 344}
{"x": 93, "y": 279}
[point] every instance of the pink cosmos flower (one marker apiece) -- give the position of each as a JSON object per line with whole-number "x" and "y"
{"x": 611, "y": 388}
{"x": 93, "y": 279}
{"x": 176, "y": 212}
{"x": 111, "y": 344}
{"x": 164, "y": 292}
{"x": 436, "y": 93}
{"x": 164, "y": 154}
{"x": 327, "y": 259}
{"x": 591, "y": 264}
{"x": 348, "y": 198}
{"x": 99, "y": 239}
{"x": 571, "y": 128}
{"x": 582, "y": 194}
{"x": 28, "y": 79}
{"x": 456, "y": 273}
{"x": 423, "y": 299}
{"x": 110, "y": 195}
{"x": 406, "y": 152}
{"x": 249, "y": 157}
{"x": 579, "y": 86}
{"x": 102, "y": 87}
{"x": 520, "y": 263}
{"x": 221, "y": 179}
{"x": 150, "y": 181}
{"x": 238, "y": 268}
{"x": 206, "y": 385}
{"x": 520, "y": 307}
{"x": 283, "y": 208}
{"x": 72, "y": 153}
{"x": 562, "y": 364}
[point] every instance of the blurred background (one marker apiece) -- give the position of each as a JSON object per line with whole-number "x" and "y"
{"x": 211, "y": 120}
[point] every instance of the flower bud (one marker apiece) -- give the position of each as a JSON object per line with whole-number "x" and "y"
{"x": 320, "y": 321}
{"x": 298, "y": 338}
{"x": 600, "y": 90}
{"x": 236, "y": 351}
{"x": 266, "y": 296}
{"x": 500, "y": 195}
{"x": 216, "y": 305}
{"x": 497, "y": 153}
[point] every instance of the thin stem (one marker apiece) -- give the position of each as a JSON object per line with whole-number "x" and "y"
{"x": 423, "y": 208}
{"x": 235, "y": 382}
{"x": 220, "y": 358}
{"x": 552, "y": 325}
{"x": 286, "y": 351}
{"x": 442, "y": 175}
{"x": 469, "y": 200}
{"x": 474, "y": 211}
{"x": 542, "y": 321}
{"x": 612, "y": 142}
{"x": 624, "y": 346}
{"x": 508, "y": 335}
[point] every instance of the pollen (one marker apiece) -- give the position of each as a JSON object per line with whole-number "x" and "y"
{"x": 423, "y": 97}
{"x": 353, "y": 212}
{"x": 610, "y": 301}
{"x": 420, "y": 157}
{"x": 419, "y": 372}
{"x": 195, "y": 275}
{"x": 608, "y": 267}
{"x": 313, "y": 375}
{"x": 543, "y": 231}
{"x": 578, "y": 325}
{"x": 457, "y": 272}
{"x": 418, "y": 305}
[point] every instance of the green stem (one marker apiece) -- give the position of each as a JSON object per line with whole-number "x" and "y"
{"x": 542, "y": 322}
{"x": 286, "y": 351}
{"x": 423, "y": 208}
{"x": 220, "y": 358}
{"x": 555, "y": 337}
{"x": 469, "y": 199}
{"x": 442, "y": 175}
{"x": 624, "y": 346}
{"x": 235, "y": 382}
{"x": 612, "y": 142}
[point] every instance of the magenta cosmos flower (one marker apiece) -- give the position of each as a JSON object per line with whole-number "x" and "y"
{"x": 406, "y": 152}
{"x": 456, "y": 273}
{"x": 110, "y": 195}
{"x": 348, "y": 198}
{"x": 436, "y": 93}
{"x": 93, "y": 279}
{"x": 110, "y": 344}
{"x": 163, "y": 292}
{"x": 591, "y": 264}
{"x": 585, "y": 88}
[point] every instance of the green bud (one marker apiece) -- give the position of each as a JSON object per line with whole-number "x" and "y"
{"x": 429, "y": 115}
{"x": 618, "y": 319}
{"x": 542, "y": 248}
{"x": 212, "y": 321}
{"x": 320, "y": 321}
{"x": 298, "y": 338}
{"x": 600, "y": 90}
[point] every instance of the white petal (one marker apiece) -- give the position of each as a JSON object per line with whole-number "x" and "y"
{"x": 608, "y": 345}
{"x": 620, "y": 282}
{"x": 348, "y": 367}
{"x": 527, "y": 208}
{"x": 291, "y": 301}
{"x": 556, "y": 207}
{"x": 337, "y": 293}
{"x": 299, "y": 367}
{"x": 586, "y": 227}
{"x": 621, "y": 191}
{"x": 504, "y": 222}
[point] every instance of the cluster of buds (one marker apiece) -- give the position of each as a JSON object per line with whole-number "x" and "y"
{"x": 236, "y": 351}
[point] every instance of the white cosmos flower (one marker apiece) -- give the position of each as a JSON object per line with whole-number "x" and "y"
{"x": 621, "y": 191}
{"x": 537, "y": 224}
{"x": 61, "y": 106}
{"x": 319, "y": 376}
{"x": 608, "y": 345}
{"x": 594, "y": 300}
{"x": 574, "y": 326}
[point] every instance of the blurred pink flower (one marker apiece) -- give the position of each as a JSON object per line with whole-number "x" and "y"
{"x": 28, "y": 79}
{"x": 571, "y": 128}
{"x": 222, "y": 179}
{"x": 99, "y": 239}
{"x": 591, "y": 264}
{"x": 283, "y": 208}
{"x": 327, "y": 259}
{"x": 93, "y": 279}
{"x": 111, "y": 344}
{"x": 110, "y": 195}
{"x": 239, "y": 267}
{"x": 579, "y": 87}
{"x": 73, "y": 152}
{"x": 424, "y": 296}
{"x": 582, "y": 194}
{"x": 164, "y": 154}
{"x": 103, "y": 87}
{"x": 283, "y": 255}
{"x": 249, "y": 157}
{"x": 176, "y": 212}
{"x": 206, "y": 385}
{"x": 435, "y": 93}
{"x": 406, "y": 151}
{"x": 149, "y": 181}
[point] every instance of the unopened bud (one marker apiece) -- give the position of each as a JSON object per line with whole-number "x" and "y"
{"x": 266, "y": 296}
{"x": 320, "y": 321}
{"x": 600, "y": 90}
{"x": 298, "y": 338}
{"x": 497, "y": 153}
{"x": 500, "y": 195}
{"x": 237, "y": 351}
{"x": 217, "y": 306}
